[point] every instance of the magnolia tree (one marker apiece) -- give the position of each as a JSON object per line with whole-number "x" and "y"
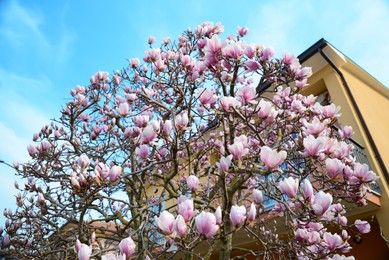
{"x": 180, "y": 155}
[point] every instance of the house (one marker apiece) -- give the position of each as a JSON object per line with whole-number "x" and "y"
{"x": 365, "y": 107}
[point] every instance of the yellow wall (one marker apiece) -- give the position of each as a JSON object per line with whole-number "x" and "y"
{"x": 373, "y": 102}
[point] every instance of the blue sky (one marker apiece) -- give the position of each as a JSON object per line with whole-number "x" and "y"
{"x": 49, "y": 47}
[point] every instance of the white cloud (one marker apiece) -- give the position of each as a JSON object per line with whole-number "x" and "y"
{"x": 20, "y": 24}
{"x": 25, "y": 29}
{"x": 21, "y": 96}
{"x": 13, "y": 146}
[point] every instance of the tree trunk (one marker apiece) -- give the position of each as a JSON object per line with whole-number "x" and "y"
{"x": 226, "y": 240}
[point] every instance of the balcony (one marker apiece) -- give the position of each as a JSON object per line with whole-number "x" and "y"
{"x": 361, "y": 157}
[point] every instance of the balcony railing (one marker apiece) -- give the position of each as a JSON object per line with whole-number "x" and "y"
{"x": 361, "y": 157}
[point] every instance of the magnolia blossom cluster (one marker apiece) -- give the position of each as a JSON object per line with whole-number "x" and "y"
{"x": 181, "y": 149}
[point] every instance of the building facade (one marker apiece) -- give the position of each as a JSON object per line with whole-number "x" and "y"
{"x": 365, "y": 107}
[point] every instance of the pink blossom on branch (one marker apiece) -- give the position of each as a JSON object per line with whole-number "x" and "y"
{"x": 127, "y": 247}
{"x": 229, "y": 103}
{"x": 321, "y": 203}
{"x": 180, "y": 226}
{"x": 362, "y": 226}
{"x": 206, "y": 224}
{"x": 192, "y": 182}
{"x": 85, "y": 252}
{"x": 272, "y": 158}
{"x": 258, "y": 197}
{"x": 237, "y": 150}
{"x": 185, "y": 208}
{"x": 191, "y": 133}
{"x": 225, "y": 163}
{"x": 181, "y": 121}
{"x": 165, "y": 222}
{"x": 237, "y": 215}
{"x": 289, "y": 186}
{"x": 115, "y": 173}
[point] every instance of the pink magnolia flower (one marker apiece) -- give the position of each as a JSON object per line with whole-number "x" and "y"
{"x": 258, "y": 196}
{"x": 159, "y": 66}
{"x": 242, "y": 31}
{"x": 313, "y": 146}
{"x": 227, "y": 103}
{"x": 142, "y": 151}
{"x": 246, "y": 94}
{"x": 342, "y": 150}
{"x": 148, "y": 134}
{"x": 141, "y": 120}
{"x": 362, "y": 226}
{"x": 102, "y": 170}
{"x": 331, "y": 110}
{"x": 332, "y": 241}
{"x": 83, "y": 161}
{"x": 242, "y": 139}
{"x": 166, "y": 40}
{"x": 289, "y": 59}
{"x": 218, "y": 215}
{"x": 311, "y": 237}
{"x": 272, "y": 158}
{"x": 165, "y": 222}
{"x": 252, "y": 213}
{"x": 304, "y": 72}
{"x": 214, "y": 44}
{"x": 123, "y": 109}
{"x": 32, "y": 150}
{"x": 289, "y": 186}
{"x": 267, "y": 54}
{"x": 167, "y": 127}
{"x": 250, "y": 50}
{"x": 151, "y": 40}
{"x": 75, "y": 183}
{"x": 315, "y": 127}
{"x": 301, "y": 83}
{"x": 225, "y": 163}
{"x": 361, "y": 171}
{"x": 192, "y": 182}
{"x": 237, "y": 150}
{"x": 321, "y": 203}
{"x": 156, "y": 125}
{"x": 334, "y": 167}
{"x": 252, "y": 65}
{"x": 237, "y": 215}
{"x": 114, "y": 173}
{"x": 206, "y": 224}
{"x": 134, "y": 62}
{"x": 298, "y": 106}
{"x": 185, "y": 208}
{"x": 93, "y": 237}
{"x": 207, "y": 96}
{"x": 307, "y": 189}
{"x": 181, "y": 121}
{"x": 180, "y": 226}
{"x": 85, "y": 252}
{"x": 127, "y": 247}
{"x": 233, "y": 50}
{"x": 347, "y": 132}
{"x": 265, "y": 109}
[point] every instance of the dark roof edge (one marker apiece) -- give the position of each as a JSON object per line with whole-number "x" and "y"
{"x": 308, "y": 53}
